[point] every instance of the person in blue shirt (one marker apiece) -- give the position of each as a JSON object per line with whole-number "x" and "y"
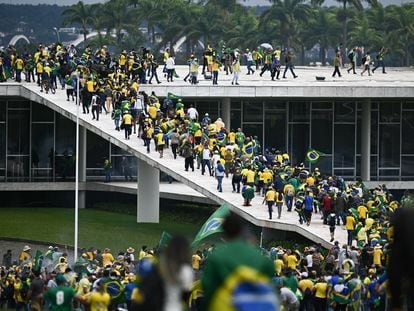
{"x": 308, "y": 207}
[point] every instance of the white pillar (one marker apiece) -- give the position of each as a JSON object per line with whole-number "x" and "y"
{"x": 148, "y": 193}
{"x": 82, "y": 164}
{"x": 366, "y": 141}
{"x": 225, "y": 111}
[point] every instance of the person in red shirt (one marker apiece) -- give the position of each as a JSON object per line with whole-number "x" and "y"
{"x": 327, "y": 205}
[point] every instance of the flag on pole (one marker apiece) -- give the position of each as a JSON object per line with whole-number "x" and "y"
{"x": 312, "y": 156}
{"x": 164, "y": 240}
{"x": 38, "y": 261}
{"x": 212, "y": 225}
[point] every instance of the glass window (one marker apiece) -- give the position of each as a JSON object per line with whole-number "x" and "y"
{"x": 374, "y": 166}
{"x": 273, "y": 105}
{"x": 389, "y": 111}
{"x": 42, "y": 145}
{"x": 41, "y": 113}
{"x": 275, "y": 130}
{"x": 18, "y": 168}
{"x": 346, "y": 173}
{"x": 253, "y": 111}
{"x": 298, "y": 112}
{"x": 299, "y": 142}
{"x": 374, "y": 132}
{"x": 344, "y": 145}
{"x": 118, "y": 168}
{"x": 407, "y": 132}
{"x": 25, "y": 104}
{"x": 212, "y": 108}
{"x": 408, "y": 105}
{"x": 2, "y": 145}
{"x": 65, "y": 135}
{"x": 116, "y": 150}
{"x": 322, "y": 105}
{"x": 97, "y": 151}
{"x": 389, "y": 173}
{"x": 65, "y": 165}
{"x": 407, "y": 166}
{"x": 344, "y": 112}
{"x": 322, "y": 131}
{"x": 18, "y": 134}
{"x": 324, "y": 164}
{"x": 3, "y": 105}
{"x": 235, "y": 119}
{"x": 389, "y": 145}
{"x": 236, "y": 105}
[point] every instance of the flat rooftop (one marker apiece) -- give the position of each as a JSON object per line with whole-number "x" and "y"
{"x": 398, "y": 82}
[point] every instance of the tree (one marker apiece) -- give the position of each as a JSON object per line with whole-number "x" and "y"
{"x": 79, "y": 13}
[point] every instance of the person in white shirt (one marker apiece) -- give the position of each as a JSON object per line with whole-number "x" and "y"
{"x": 289, "y": 300}
{"x": 249, "y": 58}
{"x": 170, "y": 65}
{"x": 205, "y": 160}
{"x": 192, "y": 113}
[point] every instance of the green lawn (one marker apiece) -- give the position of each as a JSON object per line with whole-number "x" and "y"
{"x": 97, "y": 227}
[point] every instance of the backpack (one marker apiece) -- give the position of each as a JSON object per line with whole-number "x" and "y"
{"x": 351, "y": 56}
{"x": 220, "y": 168}
{"x": 364, "y": 59}
{"x": 280, "y": 197}
{"x": 331, "y": 220}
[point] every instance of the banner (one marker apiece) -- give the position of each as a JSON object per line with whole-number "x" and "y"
{"x": 212, "y": 225}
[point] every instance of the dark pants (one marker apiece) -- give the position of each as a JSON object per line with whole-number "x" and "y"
{"x": 289, "y": 202}
{"x": 320, "y": 304}
{"x": 128, "y": 130}
{"x": 336, "y": 71}
{"x": 174, "y": 150}
{"x": 352, "y": 67}
{"x": 219, "y": 183}
{"x": 148, "y": 143}
{"x": 189, "y": 162}
{"x": 154, "y": 75}
{"x": 95, "y": 108}
{"x": 235, "y": 182}
{"x": 18, "y": 75}
{"x": 270, "y": 208}
{"x": 350, "y": 237}
{"x": 289, "y": 66}
{"x": 108, "y": 175}
{"x": 215, "y": 77}
{"x": 203, "y": 166}
{"x": 170, "y": 73}
{"x": 380, "y": 63}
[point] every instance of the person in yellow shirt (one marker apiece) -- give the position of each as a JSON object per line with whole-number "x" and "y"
{"x": 250, "y": 175}
{"x": 362, "y": 214}
{"x": 279, "y": 264}
{"x": 107, "y": 258}
{"x": 122, "y": 60}
{"x": 196, "y": 261}
{"x": 18, "y": 64}
{"x": 305, "y": 286}
{"x": 377, "y": 255}
{"x": 350, "y": 227}
{"x": 99, "y": 300}
{"x": 127, "y": 123}
{"x": 159, "y": 138}
{"x": 215, "y": 68}
{"x": 270, "y": 200}
{"x": 292, "y": 261}
{"x": 320, "y": 289}
{"x": 279, "y": 203}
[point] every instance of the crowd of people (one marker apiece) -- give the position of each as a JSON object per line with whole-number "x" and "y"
{"x": 175, "y": 277}
{"x": 49, "y": 65}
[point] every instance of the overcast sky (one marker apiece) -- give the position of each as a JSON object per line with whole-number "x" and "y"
{"x": 248, "y": 2}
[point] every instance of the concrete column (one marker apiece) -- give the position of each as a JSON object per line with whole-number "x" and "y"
{"x": 82, "y": 164}
{"x": 366, "y": 141}
{"x": 148, "y": 201}
{"x": 225, "y": 111}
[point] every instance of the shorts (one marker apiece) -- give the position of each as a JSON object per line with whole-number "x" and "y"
{"x": 160, "y": 147}
{"x": 331, "y": 229}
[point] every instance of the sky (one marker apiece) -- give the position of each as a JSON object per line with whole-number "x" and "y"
{"x": 247, "y": 2}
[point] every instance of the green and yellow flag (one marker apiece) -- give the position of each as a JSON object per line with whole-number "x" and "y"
{"x": 164, "y": 240}
{"x": 312, "y": 156}
{"x": 212, "y": 225}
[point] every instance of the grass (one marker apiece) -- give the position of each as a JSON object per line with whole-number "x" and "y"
{"x": 99, "y": 227}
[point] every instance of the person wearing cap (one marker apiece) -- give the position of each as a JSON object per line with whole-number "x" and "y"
{"x": 25, "y": 254}
{"x": 61, "y": 297}
{"x": 130, "y": 253}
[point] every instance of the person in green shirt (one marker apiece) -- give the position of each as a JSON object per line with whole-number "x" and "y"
{"x": 61, "y": 297}
{"x": 225, "y": 274}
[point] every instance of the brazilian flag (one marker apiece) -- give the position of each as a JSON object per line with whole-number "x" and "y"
{"x": 312, "y": 156}
{"x": 38, "y": 261}
{"x": 212, "y": 225}
{"x": 115, "y": 289}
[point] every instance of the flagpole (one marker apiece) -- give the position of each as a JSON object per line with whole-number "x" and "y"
{"x": 261, "y": 238}
{"x": 75, "y": 254}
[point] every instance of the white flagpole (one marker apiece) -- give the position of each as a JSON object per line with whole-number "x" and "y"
{"x": 77, "y": 172}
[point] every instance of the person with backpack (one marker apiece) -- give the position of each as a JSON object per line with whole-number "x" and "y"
{"x": 352, "y": 56}
{"x": 279, "y": 203}
{"x": 270, "y": 200}
{"x": 219, "y": 172}
{"x": 331, "y": 219}
{"x": 380, "y": 59}
{"x": 237, "y": 176}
